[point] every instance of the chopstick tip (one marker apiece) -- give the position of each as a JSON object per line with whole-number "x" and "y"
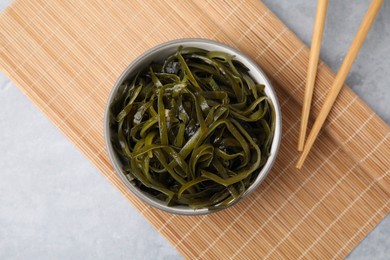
{"x": 300, "y": 162}
{"x": 298, "y": 166}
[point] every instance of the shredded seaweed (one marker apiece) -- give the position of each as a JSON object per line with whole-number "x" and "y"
{"x": 194, "y": 130}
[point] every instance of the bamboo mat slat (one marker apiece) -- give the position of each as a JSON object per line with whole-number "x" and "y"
{"x": 66, "y": 55}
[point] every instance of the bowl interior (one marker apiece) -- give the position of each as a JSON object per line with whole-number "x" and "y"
{"x": 158, "y": 54}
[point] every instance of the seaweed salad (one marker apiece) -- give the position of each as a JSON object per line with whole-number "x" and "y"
{"x": 193, "y": 130}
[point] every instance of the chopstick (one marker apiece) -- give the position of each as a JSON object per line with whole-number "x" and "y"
{"x": 340, "y": 77}
{"x": 312, "y": 68}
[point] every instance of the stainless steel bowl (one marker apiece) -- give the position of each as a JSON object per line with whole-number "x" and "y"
{"x": 159, "y": 53}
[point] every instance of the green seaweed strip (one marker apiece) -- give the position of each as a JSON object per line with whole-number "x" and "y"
{"x": 162, "y": 123}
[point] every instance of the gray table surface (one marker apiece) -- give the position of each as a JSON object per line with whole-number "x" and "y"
{"x": 55, "y": 205}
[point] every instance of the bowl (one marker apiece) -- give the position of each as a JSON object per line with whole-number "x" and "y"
{"x": 159, "y": 53}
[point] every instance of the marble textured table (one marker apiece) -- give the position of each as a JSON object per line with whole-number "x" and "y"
{"x": 55, "y": 205}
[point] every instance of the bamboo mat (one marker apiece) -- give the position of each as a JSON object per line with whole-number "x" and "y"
{"x": 66, "y": 55}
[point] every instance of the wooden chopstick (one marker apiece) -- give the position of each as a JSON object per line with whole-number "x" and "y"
{"x": 312, "y": 68}
{"x": 340, "y": 77}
